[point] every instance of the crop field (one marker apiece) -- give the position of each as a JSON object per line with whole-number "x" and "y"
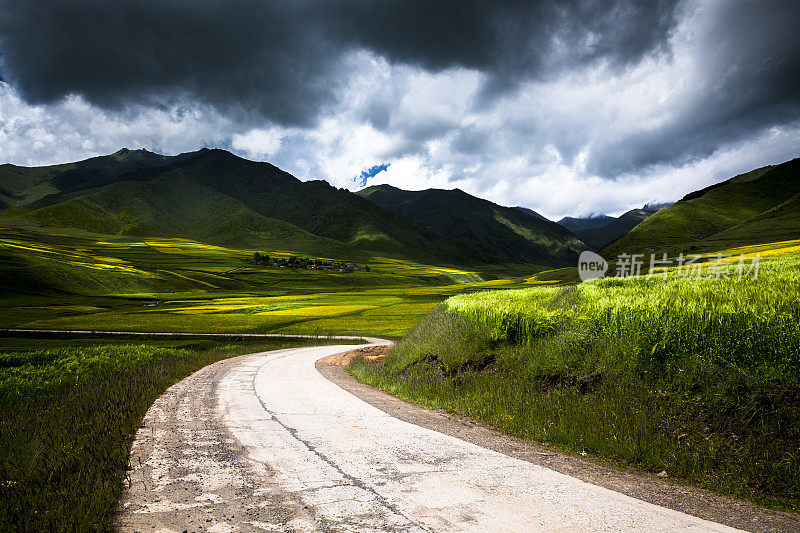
{"x": 690, "y": 371}
{"x": 83, "y": 281}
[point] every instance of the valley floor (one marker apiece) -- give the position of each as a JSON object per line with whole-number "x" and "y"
{"x": 81, "y": 281}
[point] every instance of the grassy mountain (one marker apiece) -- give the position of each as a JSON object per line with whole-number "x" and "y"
{"x": 23, "y": 185}
{"x": 315, "y": 206}
{"x": 504, "y": 233}
{"x": 576, "y": 224}
{"x": 601, "y": 230}
{"x": 532, "y": 213}
{"x": 169, "y": 208}
{"x": 782, "y": 222}
{"x": 216, "y": 196}
{"x": 758, "y": 206}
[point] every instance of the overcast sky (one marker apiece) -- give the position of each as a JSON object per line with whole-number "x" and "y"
{"x": 568, "y": 108}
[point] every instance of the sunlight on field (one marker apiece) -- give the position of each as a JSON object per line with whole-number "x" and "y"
{"x": 533, "y": 280}
{"x": 204, "y": 287}
{"x": 171, "y": 284}
{"x": 724, "y": 262}
{"x": 756, "y": 283}
{"x": 319, "y": 310}
{"x": 769, "y": 249}
{"x": 399, "y": 265}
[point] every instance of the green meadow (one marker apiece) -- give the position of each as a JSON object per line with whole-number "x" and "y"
{"x": 691, "y": 371}
{"x": 83, "y": 281}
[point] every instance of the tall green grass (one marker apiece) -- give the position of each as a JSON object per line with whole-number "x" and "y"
{"x": 698, "y": 377}
{"x": 739, "y": 322}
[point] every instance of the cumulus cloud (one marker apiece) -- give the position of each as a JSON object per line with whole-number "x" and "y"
{"x": 73, "y": 129}
{"x": 257, "y": 143}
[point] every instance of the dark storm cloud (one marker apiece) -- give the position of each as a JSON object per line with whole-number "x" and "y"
{"x": 749, "y": 65}
{"x": 233, "y": 54}
{"x": 511, "y": 38}
{"x": 282, "y": 60}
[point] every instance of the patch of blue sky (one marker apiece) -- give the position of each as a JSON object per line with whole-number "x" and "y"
{"x": 370, "y": 172}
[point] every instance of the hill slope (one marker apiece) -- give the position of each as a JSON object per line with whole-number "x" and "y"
{"x": 505, "y": 233}
{"x": 23, "y": 185}
{"x": 532, "y": 213}
{"x": 599, "y": 231}
{"x": 213, "y": 194}
{"x": 777, "y": 224}
{"x": 168, "y": 208}
{"x": 740, "y": 205}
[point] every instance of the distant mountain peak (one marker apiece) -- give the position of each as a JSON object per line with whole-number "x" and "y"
{"x": 531, "y": 212}
{"x": 126, "y": 151}
{"x": 655, "y": 206}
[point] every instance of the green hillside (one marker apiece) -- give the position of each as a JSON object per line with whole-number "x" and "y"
{"x": 777, "y": 224}
{"x": 506, "y": 234}
{"x": 168, "y": 208}
{"x": 598, "y": 237}
{"x": 215, "y": 196}
{"x": 23, "y": 185}
{"x": 739, "y": 206}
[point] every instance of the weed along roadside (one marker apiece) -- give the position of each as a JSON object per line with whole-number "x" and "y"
{"x": 70, "y": 414}
{"x": 696, "y": 378}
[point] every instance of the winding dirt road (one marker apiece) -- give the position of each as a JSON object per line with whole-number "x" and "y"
{"x": 264, "y": 442}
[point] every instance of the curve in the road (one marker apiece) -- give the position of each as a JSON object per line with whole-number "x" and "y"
{"x": 264, "y": 442}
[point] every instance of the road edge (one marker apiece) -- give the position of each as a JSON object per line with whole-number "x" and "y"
{"x": 636, "y": 484}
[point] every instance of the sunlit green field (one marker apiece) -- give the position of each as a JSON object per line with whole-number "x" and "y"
{"x": 692, "y": 370}
{"x": 82, "y": 281}
{"x": 705, "y": 300}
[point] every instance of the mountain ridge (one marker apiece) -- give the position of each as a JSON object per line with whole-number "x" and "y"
{"x": 234, "y": 200}
{"x": 732, "y": 212}
{"x": 455, "y": 215}
{"x": 269, "y": 193}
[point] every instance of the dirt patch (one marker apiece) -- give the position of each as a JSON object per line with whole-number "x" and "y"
{"x": 370, "y": 353}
